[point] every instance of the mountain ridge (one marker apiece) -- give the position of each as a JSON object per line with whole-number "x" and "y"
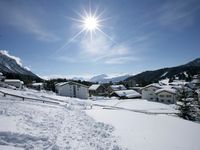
{"x": 12, "y": 69}
{"x": 185, "y": 72}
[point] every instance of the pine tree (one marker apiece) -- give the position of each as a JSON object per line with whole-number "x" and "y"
{"x": 188, "y": 107}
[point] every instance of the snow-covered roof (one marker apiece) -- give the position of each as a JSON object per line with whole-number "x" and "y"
{"x": 178, "y": 82}
{"x": 127, "y": 93}
{"x": 69, "y": 82}
{"x": 118, "y": 87}
{"x": 94, "y": 86}
{"x": 153, "y": 85}
{"x": 13, "y": 80}
{"x": 37, "y": 84}
{"x": 168, "y": 90}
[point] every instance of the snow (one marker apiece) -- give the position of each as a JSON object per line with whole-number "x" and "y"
{"x": 154, "y": 85}
{"x": 164, "y": 81}
{"x": 94, "y": 87}
{"x": 150, "y": 132}
{"x": 169, "y": 90}
{"x": 118, "y": 87}
{"x": 33, "y": 125}
{"x": 111, "y": 124}
{"x": 164, "y": 74}
{"x": 127, "y": 93}
{"x": 139, "y": 105}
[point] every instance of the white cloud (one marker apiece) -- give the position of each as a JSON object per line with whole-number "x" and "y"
{"x": 17, "y": 59}
{"x": 101, "y": 49}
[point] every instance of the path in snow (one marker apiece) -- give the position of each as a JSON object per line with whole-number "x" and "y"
{"x": 41, "y": 126}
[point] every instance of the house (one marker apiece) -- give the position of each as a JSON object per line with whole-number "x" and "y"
{"x": 97, "y": 90}
{"x": 126, "y": 94}
{"x": 148, "y": 92}
{"x": 72, "y": 89}
{"x": 113, "y": 88}
{"x": 166, "y": 95}
{"x": 37, "y": 86}
{"x": 15, "y": 82}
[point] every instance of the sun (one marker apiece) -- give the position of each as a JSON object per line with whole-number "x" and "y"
{"x": 90, "y": 23}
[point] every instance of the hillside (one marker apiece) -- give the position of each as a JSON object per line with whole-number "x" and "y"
{"x": 185, "y": 72}
{"x": 11, "y": 68}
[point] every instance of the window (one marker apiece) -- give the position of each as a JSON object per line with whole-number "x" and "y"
{"x": 162, "y": 95}
{"x": 168, "y": 96}
{"x": 168, "y": 101}
{"x": 162, "y": 100}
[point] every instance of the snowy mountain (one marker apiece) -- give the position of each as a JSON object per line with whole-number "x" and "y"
{"x": 11, "y": 67}
{"x": 184, "y": 72}
{"x": 103, "y": 78}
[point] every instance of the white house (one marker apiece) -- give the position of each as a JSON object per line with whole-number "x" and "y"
{"x": 14, "y": 82}
{"x": 72, "y": 89}
{"x": 166, "y": 95}
{"x": 148, "y": 92}
{"x": 124, "y": 94}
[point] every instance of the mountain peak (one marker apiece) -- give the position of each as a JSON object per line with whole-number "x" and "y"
{"x": 11, "y": 67}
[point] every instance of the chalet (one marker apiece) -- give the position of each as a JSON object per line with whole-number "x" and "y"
{"x": 113, "y": 88}
{"x": 97, "y": 90}
{"x": 72, "y": 89}
{"x": 148, "y": 92}
{"x": 15, "y": 82}
{"x": 166, "y": 95}
{"x": 126, "y": 94}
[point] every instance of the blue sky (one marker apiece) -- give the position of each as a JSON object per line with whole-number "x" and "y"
{"x": 137, "y": 35}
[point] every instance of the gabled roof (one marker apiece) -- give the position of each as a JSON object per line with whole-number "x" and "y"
{"x": 168, "y": 90}
{"x": 70, "y": 82}
{"x": 94, "y": 87}
{"x": 156, "y": 85}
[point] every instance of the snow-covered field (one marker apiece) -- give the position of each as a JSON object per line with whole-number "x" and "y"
{"x": 110, "y": 124}
{"x": 36, "y": 125}
{"x": 148, "y": 131}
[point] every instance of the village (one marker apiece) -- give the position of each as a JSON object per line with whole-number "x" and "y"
{"x": 163, "y": 91}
